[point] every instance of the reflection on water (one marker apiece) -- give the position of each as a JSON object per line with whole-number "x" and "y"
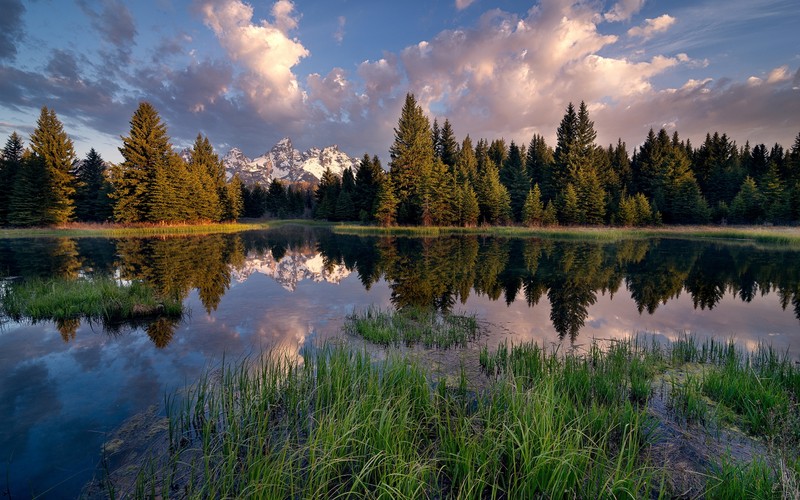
{"x": 64, "y": 386}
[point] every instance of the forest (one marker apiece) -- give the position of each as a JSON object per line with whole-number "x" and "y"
{"x": 432, "y": 180}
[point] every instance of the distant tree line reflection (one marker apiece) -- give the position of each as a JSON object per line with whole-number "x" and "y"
{"x": 429, "y": 272}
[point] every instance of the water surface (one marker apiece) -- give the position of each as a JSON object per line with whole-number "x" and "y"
{"x": 65, "y": 388}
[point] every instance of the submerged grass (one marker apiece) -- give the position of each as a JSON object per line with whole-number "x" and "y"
{"x": 413, "y": 326}
{"x": 100, "y": 298}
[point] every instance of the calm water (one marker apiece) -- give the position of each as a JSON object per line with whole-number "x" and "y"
{"x": 64, "y": 388}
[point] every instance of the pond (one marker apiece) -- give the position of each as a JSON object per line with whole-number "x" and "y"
{"x": 65, "y": 388}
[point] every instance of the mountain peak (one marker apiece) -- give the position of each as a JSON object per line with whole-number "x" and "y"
{"x": 284, "y": 162}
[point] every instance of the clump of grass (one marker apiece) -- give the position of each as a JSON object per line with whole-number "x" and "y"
{"x": 686, "y": 399}
{"x": 343, "y": 425}
{"x": 728, "y": 479}
{"x": 413, "y": 326}
{"x": 99, "y": 298}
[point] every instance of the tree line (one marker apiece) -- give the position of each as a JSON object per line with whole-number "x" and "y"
{"x": 434, "y": 180}
{"x": 44, "y": 184}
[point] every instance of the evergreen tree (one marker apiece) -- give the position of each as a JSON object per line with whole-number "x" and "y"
{"x": 10, "y": 164}
{"x": 327, "y": 194}
{"x": 92, "y": 195}
{"x": 549, "y": 217}
{"x": 368, "y": 180}
{"x": 468, "y": 207}
{"x": 498, "y": 152}
{"x": 29, "y": 195}
{"x": 275, "y": 202}
{"x": 386, "y": 203}
{"x": 232, "y": 199}
{"x": 570, "y": 209}
{"x": 448, "y": 147}
{"x": 467, "y": 163}
{"x": 591, "y": 198}
{"x": 142, "y": 186}
{"x": 748, "y": 204}
{"x": 345, "y": 208}
{"x": 493, "y": 197}
{"x": 533, "y": 211}
{"x": 776, "y": 197}
{"x": 412, "y": 155}
{"x": 51, "y": 145}
{"x": 538, "y": 165}
{"x": 207, "y": 175}
{"x": 514, "y": 178}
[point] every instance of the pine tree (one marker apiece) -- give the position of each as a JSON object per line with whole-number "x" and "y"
{"x": 533, "y": 211}
{"x": 386, "y": 203}
{"x": 468, "y": 207}
{"x": 345, "y": 208}
{"x": 539, "y": 164}
{"x": 591, "y": 198}
{"x": 92, "y": 195}
{"x": 327, "y": 194}
{"x": 29, "y": 195}
{"x": 467, "y": 163}
{"x": 232, "y": 200}
{"x": 275, "y": 202}
{"x": 10, "y": 164}
{"x": 570, "y": 209}
{"x": 549, "y": 217}
{"x": 412, "y": 155}
{"x": 747, "y": 205}
{"x": 207, "y": 174}
{"x": 514, "y": 178}
{"x": 51, "y": 145}
{"x": 493, "y": 197}
{"x": 448, "y": 147}
{"x": 142, "y": 186}
{"x": 368, "y": 180}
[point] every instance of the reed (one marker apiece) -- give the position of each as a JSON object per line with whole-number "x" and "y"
{"x": 413, "y": 326}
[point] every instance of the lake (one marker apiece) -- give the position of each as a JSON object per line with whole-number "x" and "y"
{"x": 66, "y": 388}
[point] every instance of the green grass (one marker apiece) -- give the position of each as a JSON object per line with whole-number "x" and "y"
{"x": 412, "y": 326}
{"x": 343, "y": 425}
{"x": 101, "y": 298}
{"x": 549, "y": 424}
{"x": 784, "y": 236}
{"x": 121, "y": 230}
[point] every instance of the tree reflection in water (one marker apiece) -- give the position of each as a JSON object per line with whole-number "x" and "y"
{"x": 435, "y": 272}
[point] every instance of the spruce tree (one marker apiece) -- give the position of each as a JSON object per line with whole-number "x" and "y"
{"x": 92, "y": 196}
{"x": 533, "y": 211}
{"x": 514, "y": 178}
{"x": 10, "y": 164}
{"x": 142, "y": 186}
{"x": 386, "y": 203}
{"x": 29, "y": 196}
{"x": 448, "y": 147}
{"x": 468, "y": 207}
{"x": 539, "y": 164}
{"x": 412, "y": 155}
{"x": 467, "y": 163}
{"x": 51, "y": 145}
{"x": 232, "y": 200}
{"x": 748, "y": 204}
{"x": 591, "y": 198}
{"x": 570, "y": 208}
{"x": 275, "y": 202}
{"x": 368, "y": 179}
{"x": 207, "y": 174}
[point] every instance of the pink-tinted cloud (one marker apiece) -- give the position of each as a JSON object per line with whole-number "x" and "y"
{"x": 652, "y": 27}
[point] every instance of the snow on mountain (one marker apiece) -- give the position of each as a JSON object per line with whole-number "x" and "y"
{"x": 294, "y": 267}
{"x": 284, "y": 162}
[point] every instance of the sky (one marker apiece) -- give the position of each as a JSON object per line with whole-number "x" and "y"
{"x": 324, "y": 72}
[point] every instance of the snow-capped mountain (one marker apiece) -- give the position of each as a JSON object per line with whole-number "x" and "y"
{"x": 293, "y": 268}
{"x": 286, "y": 163}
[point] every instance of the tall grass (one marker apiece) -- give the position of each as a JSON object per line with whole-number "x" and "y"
{"x": 343, "y": 425}
{"x": 134, "y": 230}
{"x": 413, "y": 326}
{"x": 99, "y": 298}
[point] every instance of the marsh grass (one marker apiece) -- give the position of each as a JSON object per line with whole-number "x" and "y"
{"x": 99, "y": 298}
{"x": 343, "y": 425}
{"x": 76, "y": 230}
{"x": 782, "y": 236}
{"x": 413, "y": 326}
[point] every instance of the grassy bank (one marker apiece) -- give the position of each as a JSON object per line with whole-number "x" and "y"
{"x": 413, "y": 326}
{"x": 550, "y": 424}
{"x": 129, "y": 230}
{"x": 773, "y": 235}
{"x": 101, "y": 298}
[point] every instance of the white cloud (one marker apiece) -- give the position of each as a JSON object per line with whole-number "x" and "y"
{"x": 338, "y": 35}
{"x": 652, "y": 27}
{"x": 264, "y": 50}
{"x": 623, "y": 10}
{"x": 780, "y": 74}
{"x": 463, "y": 4}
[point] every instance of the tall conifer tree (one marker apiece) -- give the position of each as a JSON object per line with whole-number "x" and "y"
{"x": 412, "y": 156}
{"x": 51, "y": 145}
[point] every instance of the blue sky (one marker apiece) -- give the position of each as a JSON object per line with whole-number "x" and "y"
{"x": 324, "y": 72}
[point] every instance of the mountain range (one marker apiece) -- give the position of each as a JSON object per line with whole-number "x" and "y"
{"x": 295, "y": 266}
{"x": 286, "y": 163}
